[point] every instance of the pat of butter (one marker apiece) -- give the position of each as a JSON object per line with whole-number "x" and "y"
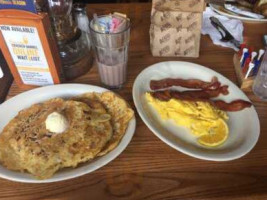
{"x": 56, "y": 122}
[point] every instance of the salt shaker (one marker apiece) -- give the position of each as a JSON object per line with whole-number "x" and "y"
{"x": 82, "y": 20}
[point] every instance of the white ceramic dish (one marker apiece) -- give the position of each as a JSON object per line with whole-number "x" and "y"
{"x": 11, "y": 107}
{"x": 244, "y": 127}
{"x": 221, "y": 10}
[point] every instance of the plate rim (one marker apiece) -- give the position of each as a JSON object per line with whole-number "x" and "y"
{"x": 126, "y": 139}
{"x": 248, "y": 19}
{"x": 166, "y": 141}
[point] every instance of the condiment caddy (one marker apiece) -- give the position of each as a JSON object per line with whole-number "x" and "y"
{"x": 247, "y": 63}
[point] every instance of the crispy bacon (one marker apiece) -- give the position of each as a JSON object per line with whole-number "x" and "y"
{"x": 194, "y": 94}
{"x": 187, "y": 83}
{"x": 162, "y": 95}
{"x": 203, "y": 94}
{"x": 235, "y": 105}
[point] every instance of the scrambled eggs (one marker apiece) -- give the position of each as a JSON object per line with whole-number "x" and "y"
{"x": 205, "y": 122}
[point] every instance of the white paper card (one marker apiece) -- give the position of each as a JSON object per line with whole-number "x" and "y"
{"x": 28, "y": 55}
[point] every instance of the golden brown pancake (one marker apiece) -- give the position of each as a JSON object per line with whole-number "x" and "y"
{"x": 26, "y": 145}
{"x": 120, "y": 112}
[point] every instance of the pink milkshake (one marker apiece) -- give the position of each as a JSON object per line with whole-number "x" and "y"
{"x": 113, "y": 76}
{"x": 110, "y": 35}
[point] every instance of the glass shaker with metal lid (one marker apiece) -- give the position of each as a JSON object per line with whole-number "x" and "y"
{"x": 81, "y": 19}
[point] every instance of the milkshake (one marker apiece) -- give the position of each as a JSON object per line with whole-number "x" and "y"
{"x": 110, "y": 39}
{"x": 112, "y": 76}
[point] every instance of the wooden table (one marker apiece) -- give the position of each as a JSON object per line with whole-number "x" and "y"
{"x": 148, "y": 168}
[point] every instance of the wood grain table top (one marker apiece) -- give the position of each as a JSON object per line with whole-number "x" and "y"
{"x": 148, "y": 168}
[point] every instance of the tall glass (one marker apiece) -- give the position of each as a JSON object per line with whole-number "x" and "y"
{"x": 260, "y": 82}
{"x": 111, "y": 50}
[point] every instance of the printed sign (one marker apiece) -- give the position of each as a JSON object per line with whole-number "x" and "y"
{"x": 27, "y": 5}
{"x": 28, "y": 55}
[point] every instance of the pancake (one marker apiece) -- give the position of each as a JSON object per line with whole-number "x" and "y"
{"x": 120, "y": 112}
{"x": 26, "y": 145}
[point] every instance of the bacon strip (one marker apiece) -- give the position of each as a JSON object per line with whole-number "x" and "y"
{"x": 187, "y": 83}
{"x": 194, "y": 94}
{"x": 235, "y": 105}
{"x": 204, "y": 94}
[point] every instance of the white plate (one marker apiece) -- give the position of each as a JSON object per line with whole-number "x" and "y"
{"x": 10, "y": 108}
{"x": 221, "y": 10}
{"x": 244, "y": 127}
